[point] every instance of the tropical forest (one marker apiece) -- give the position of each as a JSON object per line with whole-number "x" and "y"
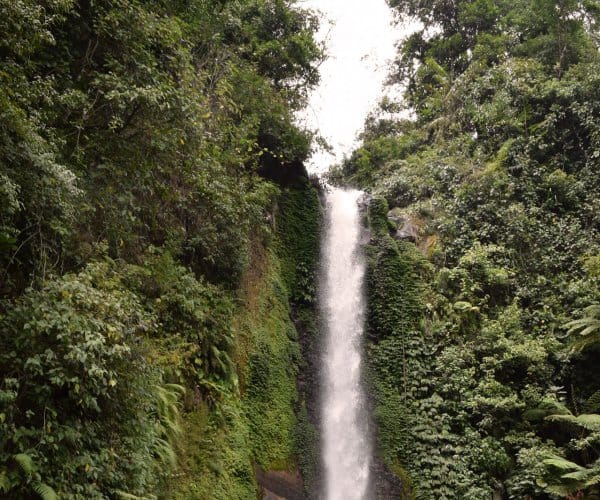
{"x": 190, "y": 310}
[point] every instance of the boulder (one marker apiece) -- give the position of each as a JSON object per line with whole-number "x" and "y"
{"x": 280, "y": 485}
{"x": 404, "y": 226}
{"x": 407, "y": 230}
{"x": 396, "y": 217}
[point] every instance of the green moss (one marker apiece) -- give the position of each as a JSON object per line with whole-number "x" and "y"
{"x": 394, "y": 314}
{"x": 408, "y": 493}
{"x": 215, "y": 461}
{"x": 378, "y": 221}
{"x": 270, "y": 392}
{"x": 298, "y": 232}
{"x": 257, "y": 424}
{"x": 307, "y": 448}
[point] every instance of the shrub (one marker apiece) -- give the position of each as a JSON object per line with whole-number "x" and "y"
{"x": 80, "y": 405}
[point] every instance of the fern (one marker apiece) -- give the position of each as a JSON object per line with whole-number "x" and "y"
{"x": 168, "y": 427}
{"x": 592, "y": 405}
{"x": 25, "y": 462}
{"x": 167, "y": 398}
{"x": 587, "y": 327}
{"x": 128, "y": 496}
{"x": 594, "y": 480}
{"x": 164, "y": 452}
{"x": 564, "y": 477}
{"x": 4, "y": 481}
{"x": 547, "y": 407}
{"x": 579, "y": 475}
{"x": 44, "y": 491}
{"x": 560, "y": 490}
{"x": 27, "y": 465}
{"x": 561, "y": 463}
{"x": 441, "y": 75}
{"x": 590, "y": 421}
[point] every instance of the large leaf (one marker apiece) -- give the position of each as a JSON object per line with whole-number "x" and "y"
{"x": 590, "y": 421}
{"x": 562, "y": 463}
{"x": 44, "y": 491}
{"x": 25, "y": 462}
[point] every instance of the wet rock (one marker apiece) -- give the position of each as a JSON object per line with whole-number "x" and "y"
{"x": 408, "y": 230}
{"x": 386, "y": 484}
{"x": 396, "y": 217}
{"x": 402, "y": 226}
{"x": 280, "y": 485}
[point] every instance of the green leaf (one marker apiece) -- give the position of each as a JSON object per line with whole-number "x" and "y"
{"x": 25, "y": 462}
{"x": 590, "y": 422}
{"x": 4, "y": 482}
{"x": 562, "y": 463}
{"x": 44, "y": 491}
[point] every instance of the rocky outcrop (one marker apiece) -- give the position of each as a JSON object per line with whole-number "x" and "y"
{"x": 280, "y": 485}
{"x": 406, "y": 227}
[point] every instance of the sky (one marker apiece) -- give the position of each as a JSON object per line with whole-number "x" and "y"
{"x": 360, "y": 40}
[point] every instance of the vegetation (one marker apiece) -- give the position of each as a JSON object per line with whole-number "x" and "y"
{"x": 159, "y": 241}
{"x": 266, "y": 424}
{"x": 143, "y": 152}
{"x": 483, "y": 323}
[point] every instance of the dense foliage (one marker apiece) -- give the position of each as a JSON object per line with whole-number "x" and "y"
{"x": 266, "y": 424}
{"x": 483, "y": 317}
{"x": 139, "y": 142}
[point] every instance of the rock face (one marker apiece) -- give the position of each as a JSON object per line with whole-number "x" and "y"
{"x": 280, "y": 485}
{"x": 386, "y": 485}
{"x": 408, "y": 231}
{"x": 406, "y": 228}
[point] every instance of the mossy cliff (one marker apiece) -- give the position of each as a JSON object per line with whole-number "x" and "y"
{"x": 264, "y": 424}
{"x": 393, "y": 288}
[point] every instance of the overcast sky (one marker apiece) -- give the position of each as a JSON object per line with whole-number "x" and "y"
{"x": 360, "y": 41}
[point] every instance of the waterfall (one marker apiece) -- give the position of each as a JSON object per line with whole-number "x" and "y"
{"x": 346, "y": 447}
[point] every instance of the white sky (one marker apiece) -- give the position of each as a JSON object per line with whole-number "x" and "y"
{"x": 360, "y": 40}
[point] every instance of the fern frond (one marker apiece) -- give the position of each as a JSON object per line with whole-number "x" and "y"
{"x": 4, "y": 481}
{"x": 578, "y": 475}
{"x": 589, "y": 421}
{"x": 167, "y": 398}
{"x": 592, "y": 405}
{"x": 562, "y": 463}
{"x": 175, "y": 388}
{"x": 441, "y": 75}
{"x": 593, "y": 481}
{"x": 44, "y": 491}
{"x": 588, "y": 328}
{"x": 165, "y": 452}
{"x": 582, "y": 343}
{"x": 560, "y": 490}
{"x": 593, "y": 310}
{"x": 128, "y": 496}
{"x": 564, "y": 477}
{"x": 25, "y": 462}
{"x": 546, "y": 408}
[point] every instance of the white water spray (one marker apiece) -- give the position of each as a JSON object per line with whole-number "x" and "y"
{"x": 346, "y": 447}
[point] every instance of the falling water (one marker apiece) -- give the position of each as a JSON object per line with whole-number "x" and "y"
{"x": 346, "y": 448}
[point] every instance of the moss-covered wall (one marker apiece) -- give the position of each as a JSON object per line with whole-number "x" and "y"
{"x": 299, "y": 234}
{"x": 393, "y": 289}
{"x": 268, "y": 421}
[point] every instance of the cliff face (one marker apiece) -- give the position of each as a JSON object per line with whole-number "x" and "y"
{"x": 263, "y": 438}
